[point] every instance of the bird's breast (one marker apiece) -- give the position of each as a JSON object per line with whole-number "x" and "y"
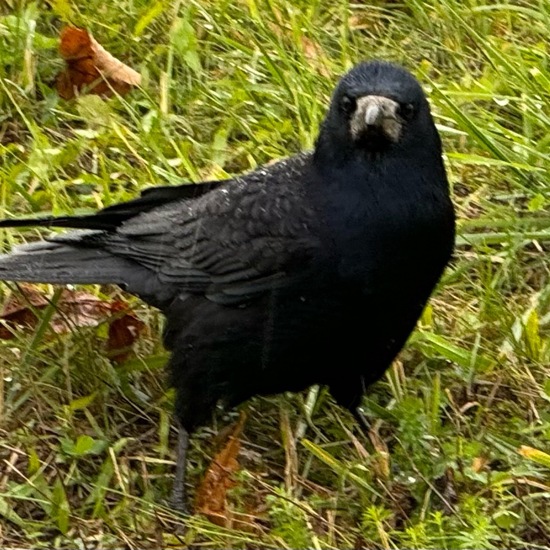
{"x": 378, "y": 240}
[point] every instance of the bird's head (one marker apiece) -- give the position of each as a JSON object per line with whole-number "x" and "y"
{"x": 376, "y": 107}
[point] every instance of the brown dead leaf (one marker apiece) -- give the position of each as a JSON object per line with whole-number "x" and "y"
{"x": 90, "y": 68}
{"x": 78, "y": 308}
{"x": 211, "y": 495}
{"x": 124, "y": 330}
{"x": 18, "y": 310}
{"x": 75, "y": 308}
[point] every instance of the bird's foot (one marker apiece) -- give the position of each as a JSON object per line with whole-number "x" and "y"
{"x": 179, "y": 504}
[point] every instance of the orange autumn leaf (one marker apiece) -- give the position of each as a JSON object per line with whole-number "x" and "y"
{"x": 211, "y": 495}
{"x": 90, "y": 68}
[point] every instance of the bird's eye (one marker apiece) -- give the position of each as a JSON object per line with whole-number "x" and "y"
{"x": 406, "y": 111}
{"x": 348, "y": 104}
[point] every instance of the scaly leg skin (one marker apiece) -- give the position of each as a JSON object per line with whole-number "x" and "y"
{"x": 179, "y": 494}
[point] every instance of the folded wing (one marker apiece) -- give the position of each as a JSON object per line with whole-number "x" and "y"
{"x": 234, "y": 241}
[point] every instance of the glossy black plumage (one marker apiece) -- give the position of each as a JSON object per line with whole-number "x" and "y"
{"x": 313, "y": 270}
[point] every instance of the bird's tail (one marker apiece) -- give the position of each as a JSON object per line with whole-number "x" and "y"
{"x": 59, "y": 263}
{"x": 102, "y": 220}
{"x": 113, "y": 216}
{"x": 78, "y": 263}
{"x": 73, "y": 257}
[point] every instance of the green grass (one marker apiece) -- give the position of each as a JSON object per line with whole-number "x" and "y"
{"x": 86, "y": 445}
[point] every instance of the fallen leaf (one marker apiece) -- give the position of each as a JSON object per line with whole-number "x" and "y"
{"x": 78, "y": 308}
{"x": 124, "y": 330}
{"x": 18, "y": 310}
{"x": 90, "y": 68}
{"x": 211, "y": 495}
{"x": 75, "y": 308}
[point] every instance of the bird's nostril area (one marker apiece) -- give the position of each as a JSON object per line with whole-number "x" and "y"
{"x": 373, "y": 115}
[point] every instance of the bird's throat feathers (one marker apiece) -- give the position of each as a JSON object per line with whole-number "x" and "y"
{"x": 335, "y": 149}
{"x": 371, "y": 173}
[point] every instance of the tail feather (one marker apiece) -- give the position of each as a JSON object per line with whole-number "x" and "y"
{"x": 113, "y": 216}
{"x": 59, "y": 263}
{"x": 50, "y": 262}
{"x": 95, "y": 221}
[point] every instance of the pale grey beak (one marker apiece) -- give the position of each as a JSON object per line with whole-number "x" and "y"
{"x": 376, "y": 115}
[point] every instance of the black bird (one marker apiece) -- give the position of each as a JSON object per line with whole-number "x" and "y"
{"x": 312, "y": 270}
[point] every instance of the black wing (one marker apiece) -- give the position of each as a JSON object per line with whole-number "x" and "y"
{"x": 249, "y": 235}
{"x": 240, "y": 239}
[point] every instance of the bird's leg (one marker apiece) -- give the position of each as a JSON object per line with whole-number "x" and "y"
{"x": 179, "y": 494}
{"x": 362, "y": 420}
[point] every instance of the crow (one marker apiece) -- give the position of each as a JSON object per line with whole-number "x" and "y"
{"x": 311, "y": 270}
